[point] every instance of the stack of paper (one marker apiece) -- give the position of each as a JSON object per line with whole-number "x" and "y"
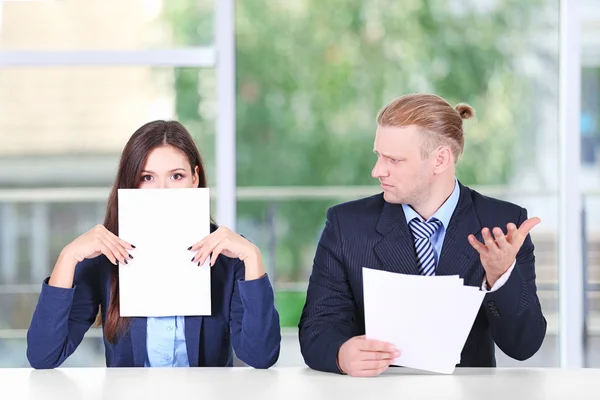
{"x": 427, "y": 318}
{"x": 161, "y": 280}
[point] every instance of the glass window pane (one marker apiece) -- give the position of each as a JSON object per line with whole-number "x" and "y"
{"x": 52, "y": 114}
{"x": 105, "y": 24}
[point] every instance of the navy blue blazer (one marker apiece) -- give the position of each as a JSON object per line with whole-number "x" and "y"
{"x": 373, "y": 233}
{"x": 243, "y": 316}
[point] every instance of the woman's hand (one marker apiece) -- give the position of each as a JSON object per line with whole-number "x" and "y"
{"x": 230, "y": 244}
{"x": 96, "y": 241}
{"x": 91, "y": 244}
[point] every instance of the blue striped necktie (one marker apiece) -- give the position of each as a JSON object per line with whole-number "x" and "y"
{"x": 422, "y": 233}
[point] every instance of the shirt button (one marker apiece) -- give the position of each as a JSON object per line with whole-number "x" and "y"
{"x": 168, "y": 359}
{"x": 169, "y": 328}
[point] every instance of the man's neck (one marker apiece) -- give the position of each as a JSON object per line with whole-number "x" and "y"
{"x": 437, "y": 197}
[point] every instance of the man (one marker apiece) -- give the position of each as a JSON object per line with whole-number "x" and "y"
{"x": 425, "y": 222}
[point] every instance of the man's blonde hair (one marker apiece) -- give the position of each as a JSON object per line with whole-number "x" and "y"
{"x": 439, "y": 122}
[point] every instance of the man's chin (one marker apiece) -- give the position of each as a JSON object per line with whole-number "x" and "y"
{"x": 390, "y": 198}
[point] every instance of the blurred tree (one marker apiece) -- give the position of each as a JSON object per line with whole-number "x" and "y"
{"x": 312, "y": 75}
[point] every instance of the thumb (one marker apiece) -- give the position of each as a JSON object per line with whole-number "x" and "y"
{"x": 525, "y": 227}
{"x": 529, "y": 224}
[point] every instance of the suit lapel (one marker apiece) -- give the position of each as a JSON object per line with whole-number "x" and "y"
{"x": 396, "y": 249}
{"x": 138, "y": 341}
{"x": 457, "y": 254}
{"x": 193, "y": 328}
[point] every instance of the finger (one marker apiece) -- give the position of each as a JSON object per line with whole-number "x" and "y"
{"x": 379, "y": 355}
{"x": 216, "y": 252}
{"x": 200, "y": 249}
{"x": 511, "y": 231}
{"x": 205, "y": 250}
{"x": 104, "y": 249}
{"x": 371, "y": 365}
{"x": 123, "y": 254}
{"x": 198, "y": 245}
{"x": 477, "y": 245}
{"x": 489, "y": 240}
{"x": 370, "y": 372}
{"x": 115, "y": 239}
{"x": 375, "y": 345}
{"x": 212, "y": 236}
{"x": 102, "y": 231}
{"x": 116, "y": 255}
{"x": 116, "y": 242}
{"x": 206, "y": 245}
{"x": 500, "y": 239}
{"x": 123, "y": 243}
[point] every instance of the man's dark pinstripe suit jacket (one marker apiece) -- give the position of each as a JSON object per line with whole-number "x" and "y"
{"x": 373, "y": 233}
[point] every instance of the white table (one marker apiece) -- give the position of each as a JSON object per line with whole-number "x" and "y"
{"x": 295, "y": 383}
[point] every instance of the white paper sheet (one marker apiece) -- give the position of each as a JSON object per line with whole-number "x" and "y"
{"x": 427, "y": 318}
{"x": 161, "y": 280}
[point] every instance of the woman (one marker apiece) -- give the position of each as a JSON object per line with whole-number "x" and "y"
{"x": 160, "y": 154}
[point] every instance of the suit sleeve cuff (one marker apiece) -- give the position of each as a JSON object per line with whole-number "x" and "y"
{"x": 255, "y": 291}
{"x": 500, "y": 282}
{"x": 511, "y": 300}
{"x": 334, "y": 350}
{"x": 56, "y": 293}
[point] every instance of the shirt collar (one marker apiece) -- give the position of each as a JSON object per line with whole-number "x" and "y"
{"x": 443, "y": 214}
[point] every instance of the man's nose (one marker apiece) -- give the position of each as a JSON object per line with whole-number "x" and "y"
{"x": 378, "y": 170}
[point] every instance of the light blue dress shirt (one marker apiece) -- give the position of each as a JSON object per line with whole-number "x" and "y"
{"x": 165, "y": 342}
{"x": 443, "y": 214}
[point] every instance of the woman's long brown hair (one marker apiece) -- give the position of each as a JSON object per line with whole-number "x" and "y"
{"x": 148, "y": 137}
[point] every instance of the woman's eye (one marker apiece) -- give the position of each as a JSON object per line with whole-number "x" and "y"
{"x": 147, "y": 178}
{"x": 177, "y": 176}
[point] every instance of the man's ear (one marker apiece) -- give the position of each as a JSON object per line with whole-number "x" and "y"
{"x": 443, "y": 159}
